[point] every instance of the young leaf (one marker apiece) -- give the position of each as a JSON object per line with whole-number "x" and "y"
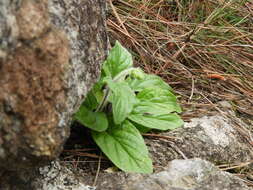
{"x": 122, "y": 99}
{"x": 137, "y": 73}
{"x": 141, "y": 128}
{"x": 161, "y": 122}
{"x": 97, "y": 89}
{"x": 96, "y": 121}
{"x": 160, "y": 98}
{"x": 148, "y": 81}
{"x": 118, "y": 60}
{"x": 153, "y": 93}
{"x": 90, "y": 101}
{"x": 153, "y": 108}
{"x": 125, "y": 147}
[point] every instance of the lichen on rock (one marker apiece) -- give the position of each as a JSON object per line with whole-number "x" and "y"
{"x": 50, "y": 56}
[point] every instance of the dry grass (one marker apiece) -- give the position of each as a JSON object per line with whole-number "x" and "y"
{"x": 242, "y": 170}
{"x": 203, "y": 48}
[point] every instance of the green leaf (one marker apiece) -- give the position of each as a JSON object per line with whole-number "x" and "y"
{"x": 137, "y": 73}
{"x": 157, "y": 98}
{"x": 161, "y": 122}
{"x": 97, "y": 89}
{"x": 156, "y": 94}
{"x": 122, "y": 99}
{"x": 141, "y": 128}
{"x": 90, "y": 101}
{"x": 148, "y": 81}
{"x": 96, "y": 121}
{"x": 152, "y": 108}
{"x": 118, "y": 60}
{"x": 125, "y": 147}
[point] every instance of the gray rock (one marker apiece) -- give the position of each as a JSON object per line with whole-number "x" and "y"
{"x": 214, "y": 138}
{"x": 58, "y": 177}
{"x": 191, "y": 174}
{"x": 50, "y": 55}
{"x": 51, "y": 177}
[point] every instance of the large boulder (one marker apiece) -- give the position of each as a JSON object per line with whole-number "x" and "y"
{"x": 50, "y": 56}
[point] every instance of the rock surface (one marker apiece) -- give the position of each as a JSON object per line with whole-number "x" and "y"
{"x": 50, "y": 55}
{"x": 214, "y": 138}
{"x": 51, "y": 177}
{"x": 57, "y": 177}
{"x": 191, "y": 174}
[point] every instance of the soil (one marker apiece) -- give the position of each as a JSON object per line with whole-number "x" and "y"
{"x": 82, "y": 153}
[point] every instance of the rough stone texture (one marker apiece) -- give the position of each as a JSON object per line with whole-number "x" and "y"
{"x": 195, "y": 174}
{"x": 51, "y": 177}
{"x": 57, "y": 177}
{"x": 189, "y": 174}
{"x": 213, "y": 138}
{"x": 50, "y": 55}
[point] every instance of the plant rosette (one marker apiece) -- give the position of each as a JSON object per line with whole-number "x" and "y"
{"x": 124, "y": 103}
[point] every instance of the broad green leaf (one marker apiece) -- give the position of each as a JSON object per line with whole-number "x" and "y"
{"x": 118, "y": 60}
{"x": 148, "y": 81}
{"x": 90, "y": 101}
{"x": 125, "y": 147}
{"x": 157, "y": 94}
{"x": 159, "y": 98}
{"x": 122, "y": 99}
{"x": 100, "y": 83}
{"x": 161, "y": 122}
{"x": 153, "y": 108}
{"x": 97, "y": 90}
{"x": 141, "y": 128}
{"x": 96, "y": 121}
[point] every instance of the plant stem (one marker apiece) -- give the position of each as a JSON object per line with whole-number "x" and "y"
{"x": 123, "y": 74}
{"x": 117, "y": 78}
{"x": 104, "y": 100}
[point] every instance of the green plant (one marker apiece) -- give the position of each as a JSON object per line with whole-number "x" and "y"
{"x": 123, "y": 103}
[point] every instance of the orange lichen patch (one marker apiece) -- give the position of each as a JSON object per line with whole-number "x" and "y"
{"x": 32, "y": 85}
{"x": 32, "y": 19}
{"x": 216, "y": 76}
